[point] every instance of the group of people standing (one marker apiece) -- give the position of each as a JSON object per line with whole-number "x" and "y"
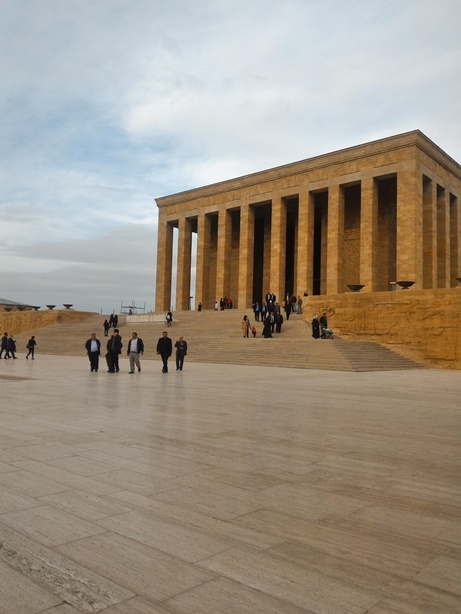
{"x": 135, "y": 349}
{"x": 270, "y": 312}
{"x": 290, "y": 305}
{"x": 225, "y": 303}
{"x": 320, "y": 328}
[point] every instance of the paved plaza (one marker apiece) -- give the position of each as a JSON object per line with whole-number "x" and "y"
{"x": 228, "y": 490}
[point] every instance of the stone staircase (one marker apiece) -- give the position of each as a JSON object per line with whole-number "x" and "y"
{"x": 216, "y": 337}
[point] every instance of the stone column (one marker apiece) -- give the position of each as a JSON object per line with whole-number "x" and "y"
{"x": 202, "y": 280}
{"x": 266, "y": 255}
{"x": 305, "y": 253}
{"x": 246, "y": 257}
{"x": 335, "y": 247}
{"x": 455, "y": 235}
{"x": 164, "y": 265}
{"x": 278, "y": 247}
{"x": 443, "y": 238}
{"x": 410, "y": 226}
{"x": 368, "y": 233}
{"x": 429, "y": 233}
{"x": 184, "y": 264}
{"x": 223, "y": 256}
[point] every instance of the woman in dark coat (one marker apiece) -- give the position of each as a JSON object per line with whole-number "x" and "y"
{"x": 316, "y": 327}
{"x": 267, "y": 334}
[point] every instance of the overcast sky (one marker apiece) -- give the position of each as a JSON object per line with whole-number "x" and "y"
{"x": 107, "y": 104}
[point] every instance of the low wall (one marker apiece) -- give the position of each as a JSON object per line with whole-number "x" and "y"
{"x": 145, "y": 317}
{"x": 424, "y": 324}
{"x": 15, "y": 322}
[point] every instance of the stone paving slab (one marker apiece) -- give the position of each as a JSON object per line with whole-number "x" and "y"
{"x": 228, "y": 489}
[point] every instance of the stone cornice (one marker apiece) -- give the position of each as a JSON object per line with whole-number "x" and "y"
{"x": 414, "y": 138}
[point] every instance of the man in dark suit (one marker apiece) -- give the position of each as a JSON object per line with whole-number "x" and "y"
{"x": 164, "y": 349}
{"x": 114, "y": 348}
{"x": 93, "y": 349}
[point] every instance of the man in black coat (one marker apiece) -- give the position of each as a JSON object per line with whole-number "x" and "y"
{"x": 11, "y": 348}
{"x": 164, "y": 349}
{"x": 4, "y": 346}
{"x": 93, "y": 349}
{"x": 114, "y": 348}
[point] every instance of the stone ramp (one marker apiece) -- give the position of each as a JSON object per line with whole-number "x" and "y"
{"x": 216, "y": 337}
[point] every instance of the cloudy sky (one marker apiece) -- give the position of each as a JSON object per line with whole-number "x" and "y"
{"x": 106, "y": 105}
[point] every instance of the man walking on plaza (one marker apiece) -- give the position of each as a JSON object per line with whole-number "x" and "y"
{"x": 93, "y": 349}
{"x": 31, "y": 347}
{"x": 4, "y": 346}
{"x": 135, "y": 348}
{"x": 114, "y": 348}
{"x": 164, "y": 349}
{"x": 181, "y": 351}
{"x": 11, "y": 348}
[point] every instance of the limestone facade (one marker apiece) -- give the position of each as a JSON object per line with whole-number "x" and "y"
{"x": 373, "y": 214}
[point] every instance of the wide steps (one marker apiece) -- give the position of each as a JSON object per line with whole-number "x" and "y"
{"x": 216, "y": 337}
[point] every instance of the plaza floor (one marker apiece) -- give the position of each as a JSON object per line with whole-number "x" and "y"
{"x": 228, "y": 489}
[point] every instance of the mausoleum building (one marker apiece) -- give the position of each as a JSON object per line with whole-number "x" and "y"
{"x": 372, "y": 215}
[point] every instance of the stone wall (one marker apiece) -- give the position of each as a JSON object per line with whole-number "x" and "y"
{"x": 423, "y": 324}
{"x": 15, "y": 322}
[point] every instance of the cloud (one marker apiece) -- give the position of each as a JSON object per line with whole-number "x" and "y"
{"x": 93, "y": 273}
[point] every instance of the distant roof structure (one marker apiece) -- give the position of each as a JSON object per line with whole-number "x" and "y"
{"x": 6, "y": 303}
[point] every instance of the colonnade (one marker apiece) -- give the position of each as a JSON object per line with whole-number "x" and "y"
{"x": 316, "y": 236}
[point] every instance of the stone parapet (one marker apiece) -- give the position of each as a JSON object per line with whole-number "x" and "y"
{"x": 425, "y": 324}
{"x": 15, "y": 322}
{"x": 143, "y": 318}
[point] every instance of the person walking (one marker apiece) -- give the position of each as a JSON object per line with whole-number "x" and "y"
{"x": 316, "y": 327}
{"x": 278, "y": 322}
{"x": 181, "y": 351}
{"x": 11, "y": 347}
{"x": 106, "y": 327}
{"x": 31, "y": 347}
{"x": 245, "y": 326}
{"x": 267, "y": 329}
{"x": 300, "y": 305}
{"x": 93, "y": 349}
{"x": 4, "y": 346}
{"x": 164, "y": 349}
{"x": 287, "y": 309}
{"x": 135, "y": 348}
{"x": 114, "y": 348}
